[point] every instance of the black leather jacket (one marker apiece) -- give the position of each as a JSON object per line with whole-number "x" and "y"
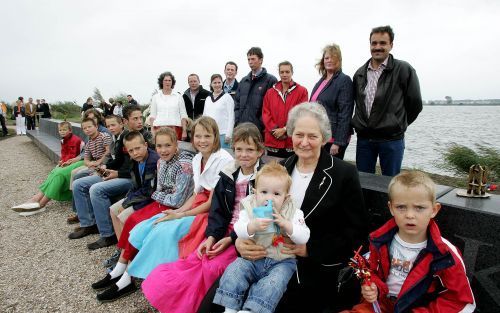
{"x": 396, "y": 105}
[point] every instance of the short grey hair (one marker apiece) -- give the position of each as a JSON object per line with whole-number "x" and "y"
{"x": 314, "y": 110}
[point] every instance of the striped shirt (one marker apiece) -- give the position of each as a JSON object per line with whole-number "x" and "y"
{"x": 95, "y": 148}
{"x": 371, "y": 87}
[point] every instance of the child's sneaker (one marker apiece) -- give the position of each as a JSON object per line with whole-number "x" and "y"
{"x": 27, "y": 207}
{"x": 32, "y": 212}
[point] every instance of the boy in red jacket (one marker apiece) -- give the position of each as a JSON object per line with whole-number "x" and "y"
{"x": 413, "y": 268}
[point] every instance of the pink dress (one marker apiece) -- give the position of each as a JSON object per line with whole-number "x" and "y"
{"x": 179, "y": 287}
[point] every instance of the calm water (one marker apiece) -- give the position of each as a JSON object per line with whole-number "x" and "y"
{"x": 438, "y": 126}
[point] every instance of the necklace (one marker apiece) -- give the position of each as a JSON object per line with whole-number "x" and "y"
{"x": 303, "y": 175}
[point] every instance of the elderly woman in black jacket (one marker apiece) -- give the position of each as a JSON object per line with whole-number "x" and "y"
{"x": 334, "y": 92}
{"x": 329, "y": 193}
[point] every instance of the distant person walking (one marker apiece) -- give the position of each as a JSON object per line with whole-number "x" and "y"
{"x": 20, "y": 114}
{"x": 30, "y": 110}
{"x": 3, "y": 114}
{"x": 387, "y": 96}
{"x": 45, "y": 109}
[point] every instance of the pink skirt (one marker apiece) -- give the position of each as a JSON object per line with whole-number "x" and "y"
{"x": 179, "y": 287}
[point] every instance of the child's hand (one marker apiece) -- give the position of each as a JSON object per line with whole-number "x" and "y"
{"x": 258, "y": 224}
{"x": 219, "y": 247}
{"x": 169, "y": 216}
{"x": 370, "y": 293}
{"x": 205, "y": 247}
{"x": 109, "y": 174}
{"x": 283, "y": 223}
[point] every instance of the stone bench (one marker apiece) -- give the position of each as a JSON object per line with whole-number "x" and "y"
{"x": 473, "y": 225}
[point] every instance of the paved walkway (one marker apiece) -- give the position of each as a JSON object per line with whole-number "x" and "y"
{"x": 41, "y": 270}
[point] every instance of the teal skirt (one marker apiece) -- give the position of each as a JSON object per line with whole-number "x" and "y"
{"x": 56, "y": 186}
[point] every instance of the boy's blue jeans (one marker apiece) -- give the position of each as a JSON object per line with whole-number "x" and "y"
{"x": 92, "y": 195}
{"x": 390, "y": 154}
{"x": 267, "y": 279}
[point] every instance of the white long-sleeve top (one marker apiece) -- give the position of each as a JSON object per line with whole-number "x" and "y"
{"x": 168, "y": 110}
{"x": 210, "y": 175}
{"x": 221, "y": 110}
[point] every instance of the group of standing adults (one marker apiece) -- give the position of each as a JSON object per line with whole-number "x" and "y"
{"x": 28, "y": 114}
{"x": 384, "y": 96}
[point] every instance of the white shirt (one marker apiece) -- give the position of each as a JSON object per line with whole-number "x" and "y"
{"x": 210, "y": 176}
{"x": 222, "y": 111}
{"x": 168, "y": 110}
{"x": 300, "y": 182}
{"x": 403, "y": 255}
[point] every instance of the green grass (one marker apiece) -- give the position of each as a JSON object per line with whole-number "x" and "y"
{"x": 459, "y": 159}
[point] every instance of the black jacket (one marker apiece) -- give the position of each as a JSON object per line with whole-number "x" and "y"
{"x": 249, "y": 98}
{"x": 221, "y": 209}
{"x": 140, "y": 194}
{"x": 396, "y": 105}
{"x": 338, "y": 101}
{"x": 120, "y": 160}
{"x": 335, "y": 213}
{"x": 199, "y": 102}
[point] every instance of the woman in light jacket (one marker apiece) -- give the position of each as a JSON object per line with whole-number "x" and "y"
{"x": 167, "y": 107}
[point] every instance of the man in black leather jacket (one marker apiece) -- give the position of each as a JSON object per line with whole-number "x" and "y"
{"x": 387, "y": 96}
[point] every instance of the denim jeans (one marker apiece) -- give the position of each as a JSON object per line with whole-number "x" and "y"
{"x": 80, "y": 174}
{"x": 267, "y": 279}
{"x": 92, "y": 199}
{"x": 390, "y": 154}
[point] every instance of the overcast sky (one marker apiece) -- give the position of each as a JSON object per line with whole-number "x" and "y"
{"x": 62, "y": 50}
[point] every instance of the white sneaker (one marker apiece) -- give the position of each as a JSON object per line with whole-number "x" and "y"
{"x": 32, "y": 212}
{"x": 29, "y": 206}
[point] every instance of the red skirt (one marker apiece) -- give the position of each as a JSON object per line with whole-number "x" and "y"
{"x": 196, "y": 233}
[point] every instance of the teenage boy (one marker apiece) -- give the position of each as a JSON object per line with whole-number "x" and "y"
{"x": 412, "y": 267}
{"x": 95, "y": 194}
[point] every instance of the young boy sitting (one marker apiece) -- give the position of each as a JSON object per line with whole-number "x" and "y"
{"x": 412, "y": 267}
{"x": 266, "y": 278}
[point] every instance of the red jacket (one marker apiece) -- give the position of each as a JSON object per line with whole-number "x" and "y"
{"x": 436, "y": 283}
{"x": 70, "y": 147}
{"x": 275, "y": 111}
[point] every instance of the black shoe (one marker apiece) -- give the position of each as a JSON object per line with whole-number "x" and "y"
{"x": 103, "y": 242}
{"x": 113, "y": 293}
{"x": 105, "y": 282}
{"x": 83, "y": 231}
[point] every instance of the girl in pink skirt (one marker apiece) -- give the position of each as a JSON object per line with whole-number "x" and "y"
{"x": 180, "y": 286}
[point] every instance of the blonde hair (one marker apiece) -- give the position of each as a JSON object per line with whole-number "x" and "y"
{"x": 334, "y": 51}
{"x": 65, "y": 124}
{"x": 210, "y": 126}
{"x": 274, "y": 169}
{"x": 167, "y": 131}
{"x": 413, "y": 178}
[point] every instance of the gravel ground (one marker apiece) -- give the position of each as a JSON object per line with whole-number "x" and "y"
{"x": 41, "y": 270}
